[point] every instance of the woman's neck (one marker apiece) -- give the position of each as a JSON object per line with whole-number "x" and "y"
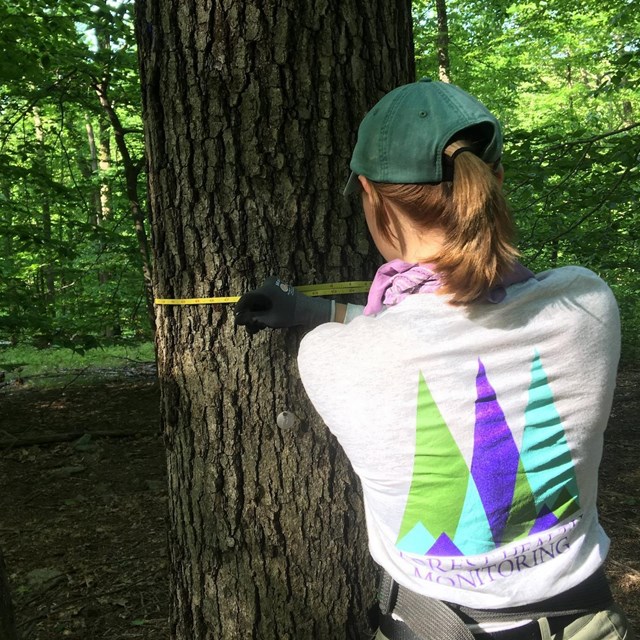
{"x": 422, "y": 245}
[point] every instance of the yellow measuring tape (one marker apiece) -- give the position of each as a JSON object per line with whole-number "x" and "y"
{"x": 336, "y": 288}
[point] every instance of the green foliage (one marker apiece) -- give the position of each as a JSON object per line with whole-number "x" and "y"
{"x": 54, "y": 366}
{"x": 71, "y": 269}
{"x": 562, "y": 76}
{"x": 563, "y": 79}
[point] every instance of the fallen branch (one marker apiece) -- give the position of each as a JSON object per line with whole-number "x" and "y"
{"x": 26, "y": 440}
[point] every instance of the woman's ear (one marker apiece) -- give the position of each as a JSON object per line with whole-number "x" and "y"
{"x": 499, "y": 174}
{"x": 365, "y": 185}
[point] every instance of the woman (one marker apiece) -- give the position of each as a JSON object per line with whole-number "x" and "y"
{"x": 470, "y": 396}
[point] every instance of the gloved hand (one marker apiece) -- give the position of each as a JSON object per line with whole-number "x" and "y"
{"x": 278, "y": 305}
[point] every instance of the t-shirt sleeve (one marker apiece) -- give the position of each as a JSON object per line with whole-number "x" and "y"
{"x": 353, "y": 311}
{"x": 322, "y": 370}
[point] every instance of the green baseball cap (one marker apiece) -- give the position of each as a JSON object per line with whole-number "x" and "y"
{"x": 402, "y": 138}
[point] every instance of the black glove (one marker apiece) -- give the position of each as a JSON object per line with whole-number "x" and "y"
{"x": 278, "y": 305}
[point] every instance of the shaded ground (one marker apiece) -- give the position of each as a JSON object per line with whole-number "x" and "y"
{"x": 620, "y": 492}
{"x": 82, "y": 524}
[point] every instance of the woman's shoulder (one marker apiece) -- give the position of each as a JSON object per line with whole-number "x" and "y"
{"x": 575, "y": 281}
{"x": 570, "y": 295}
{"x": 571, "y": 273}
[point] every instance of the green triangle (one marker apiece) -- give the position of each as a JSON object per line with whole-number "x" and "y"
{"x": 565, "y": 505}
{"x": 440, "y": 473}
{"x": 523, "y": 509}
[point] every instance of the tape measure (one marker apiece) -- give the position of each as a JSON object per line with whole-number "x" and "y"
{"x": 336, "y": 288}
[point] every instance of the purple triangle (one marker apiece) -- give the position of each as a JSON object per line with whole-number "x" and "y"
{"x": 443, "y": 546}
{"x": 495, "y": 456}
{"x": 546, "y": 520}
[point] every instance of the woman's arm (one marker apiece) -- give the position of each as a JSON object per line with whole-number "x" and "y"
{"x": 341, "y": 312}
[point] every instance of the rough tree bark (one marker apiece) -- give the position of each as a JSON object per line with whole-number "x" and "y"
{"x": 251, "y": 111}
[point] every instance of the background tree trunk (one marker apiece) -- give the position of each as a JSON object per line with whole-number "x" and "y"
{"x": 93, "y": 155}
{"x": 47, "y": 270}
{"x": 104, "y": 165}
{"x": 442, "y": 45}
{"x": 251, "y": 112}
{"x": 100, "y": 162}
{"x": 131, "y": 172}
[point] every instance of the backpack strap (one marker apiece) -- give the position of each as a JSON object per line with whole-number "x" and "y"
{"x": 591, "y": 595}
{"x": 428, "y": 618}
{"x": 432, "y": 619}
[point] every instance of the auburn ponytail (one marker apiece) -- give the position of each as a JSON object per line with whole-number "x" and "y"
{"x": 478, "y": 251}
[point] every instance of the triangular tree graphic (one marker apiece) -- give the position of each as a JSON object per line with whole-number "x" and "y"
{"x": 523, "y": 510}
{"x": 474, "y": 533}
{"x": 509, "y": 494}
{"x": 545, "y": 454}
{"x": 495, "y": 456}
{"x": 439, "y": 482}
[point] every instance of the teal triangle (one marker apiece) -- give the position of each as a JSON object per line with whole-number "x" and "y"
{"x": 545, "y": 453}
{"x": 417, "y": 541}
{"x": 473, "y": 520}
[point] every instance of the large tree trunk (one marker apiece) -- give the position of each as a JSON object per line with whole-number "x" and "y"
{"x": 251, "y": 111}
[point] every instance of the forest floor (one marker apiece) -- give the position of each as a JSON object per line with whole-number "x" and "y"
{"x": 82, "y": 523}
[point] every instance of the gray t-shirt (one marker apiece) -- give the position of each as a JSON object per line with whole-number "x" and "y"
{"x": 476, "y": 434}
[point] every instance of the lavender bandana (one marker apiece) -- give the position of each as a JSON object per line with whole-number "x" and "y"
{"x": 396, "y": 280}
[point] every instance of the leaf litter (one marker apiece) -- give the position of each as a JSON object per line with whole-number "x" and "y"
{"x": 84, "y": 522}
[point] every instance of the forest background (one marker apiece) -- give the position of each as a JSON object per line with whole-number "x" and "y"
{"x": 75, "y": 267}
{"x": 76, "y": 274}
